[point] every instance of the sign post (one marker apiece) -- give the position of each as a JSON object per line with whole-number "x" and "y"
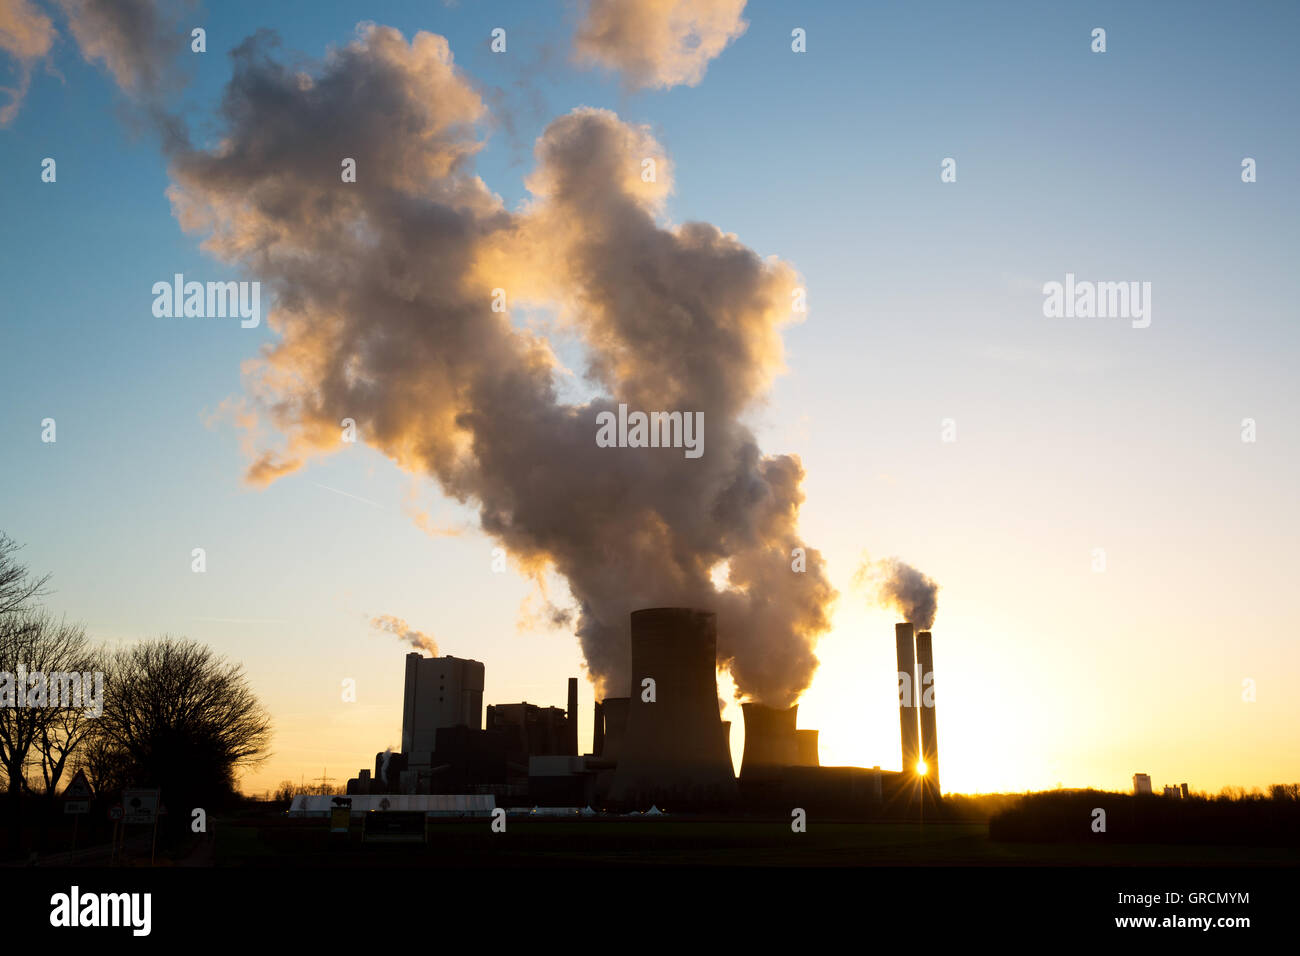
{"x": 341, "y": 815}
{"x": 115, "y": 814}
{"x": 162, "y": 811}
{"x": 76, "y": 800}
{"x": 141, "y": 807}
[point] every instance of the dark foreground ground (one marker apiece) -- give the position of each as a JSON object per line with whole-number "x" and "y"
{"x": 531, "y": 843}
{"x": 752, "y": 877}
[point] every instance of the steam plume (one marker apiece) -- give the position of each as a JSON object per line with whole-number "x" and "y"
{"x": 383, "y": 294}
{"x": 658, "y": 43}
{"x": 902, "y": 587}
{"x": 403, "y": 631}
{"x": 26, "y": 35}
{"x": 137, "y": 40}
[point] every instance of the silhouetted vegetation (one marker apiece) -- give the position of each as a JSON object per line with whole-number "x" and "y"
{"x": 184, "y": 718}
{"x": 976, "y": 808}
{"x": 176, "y": 716}
{"x": 31, "y": 641}
{"x": 1235, "y": 817}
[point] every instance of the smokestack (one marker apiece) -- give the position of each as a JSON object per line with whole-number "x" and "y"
{"x": 598, "y": 730}
{"x": 904, "y": 639}
{"x": 673, "y": 753}
{"x": 769, "y": 739}
{"x": 925, "y": 698}
{"x": 571, "y": 741}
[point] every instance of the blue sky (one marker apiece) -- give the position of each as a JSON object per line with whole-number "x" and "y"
{"x": 925, "y": 304}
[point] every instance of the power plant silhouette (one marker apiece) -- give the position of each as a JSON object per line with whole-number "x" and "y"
{"x": 663, "y": 745}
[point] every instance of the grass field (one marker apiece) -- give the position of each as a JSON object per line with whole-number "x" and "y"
{"x": 697, "y": 843}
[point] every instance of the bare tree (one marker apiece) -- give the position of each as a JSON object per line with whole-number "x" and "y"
{"x": 107, "y": 766}
{"x": 184, "y": 717}
{"x": 18, "y": 589}
{"x": 70, "y": 721}
{"x": 34, "y": 727}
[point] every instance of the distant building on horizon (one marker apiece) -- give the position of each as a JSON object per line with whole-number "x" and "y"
{"x": 1141, "y": 783}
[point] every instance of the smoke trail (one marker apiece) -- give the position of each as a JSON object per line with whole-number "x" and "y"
{"x": 384, "y": 290}
{"x": 403, "y": 631}
{"x": 900, "y": 586}
{"x": 138, "y": 41}
{"x": 26, "y": 35}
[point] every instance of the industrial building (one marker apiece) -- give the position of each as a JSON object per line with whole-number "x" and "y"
{"x": 447, "y": 750}
{"x": 440, "y": 692}
{"x": 662, "y": 744}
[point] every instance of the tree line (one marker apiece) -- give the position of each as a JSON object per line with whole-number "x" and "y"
{"x": 176, "y": 715}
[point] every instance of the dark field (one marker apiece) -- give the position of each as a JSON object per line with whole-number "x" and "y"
{"x": 529, "y": 843}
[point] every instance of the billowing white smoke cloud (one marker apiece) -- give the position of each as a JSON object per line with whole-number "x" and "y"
{"x": 403, "y": 631}
{"x": 896, "y": 584}
{"x": 26, "y": 35}
{"x": 383, "y": 293}
{"x": 657, "y": 43}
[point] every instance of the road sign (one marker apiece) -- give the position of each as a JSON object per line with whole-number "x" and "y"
{"x": 115, "y": 813}
{"x": 141, "y": 806}
{"x": 76, "y": 806}
{"x": 78, "y": 789}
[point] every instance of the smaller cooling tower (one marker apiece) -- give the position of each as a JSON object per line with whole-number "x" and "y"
{"x": 805, "y": 746}
{"x": 769, "y": 739}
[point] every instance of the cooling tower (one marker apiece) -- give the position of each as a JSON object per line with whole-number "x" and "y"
{"x": 615, "y": 711}
{"x": 672, "y": 753}
{"x": 925, "y": 698}
{"x": 907, "y": 696}
{"x": 805, "y": 747}
{"x": 769, "y": 739}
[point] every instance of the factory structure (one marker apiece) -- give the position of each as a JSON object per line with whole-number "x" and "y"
{"x": 1142, "y": 786}
{"x": 662, "y": 745}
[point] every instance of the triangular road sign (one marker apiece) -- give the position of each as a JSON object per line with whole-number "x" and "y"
{"x": 79, "y": 788}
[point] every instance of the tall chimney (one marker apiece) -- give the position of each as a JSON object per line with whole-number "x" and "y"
{"x": 904, "y": 639}
{"x": 925, "y": 698}
{"x": 571, "y": 742}
{"x": 598, "y": 730}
